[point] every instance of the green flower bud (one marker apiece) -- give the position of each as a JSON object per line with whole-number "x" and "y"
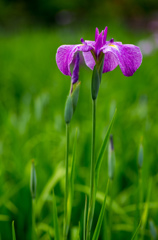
{"x": 111, "y": 159}
{"x": 153, "y": 230}
{"x": 140, "y": 156}
{"x": 71, "y": 102}
{"x": 96, "y": 76}
{"x": 33, "y": 182}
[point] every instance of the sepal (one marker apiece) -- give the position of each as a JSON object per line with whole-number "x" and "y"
{"x": 71, "y": 102}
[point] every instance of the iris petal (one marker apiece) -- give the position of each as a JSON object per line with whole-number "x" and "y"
{"x": 105, "y": 35}
{"x": 65, "y": 54}
{"x": 110, "y": 62}
{"x": 96, "y": 34}
{"x": 89, "y": 60}
{"x": 128, "y": 56}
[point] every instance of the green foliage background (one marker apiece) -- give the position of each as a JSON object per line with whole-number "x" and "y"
{"x": 32, "y": 98}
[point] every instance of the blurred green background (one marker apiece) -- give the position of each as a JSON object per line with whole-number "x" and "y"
{"x": 32, "y": 98}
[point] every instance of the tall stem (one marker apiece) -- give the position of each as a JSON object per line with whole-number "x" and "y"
{"x": 110, "y": 209}
{"x": 66, "y": 181}
{"x": 92, "y": 175}
{"x": 33, "y": 220}
{"x": 141, "y": 201}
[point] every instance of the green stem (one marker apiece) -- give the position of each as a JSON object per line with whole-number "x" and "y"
{"x": 110, "y": 209}
{"x": 141, "y": 200}
{"x": 92, "y": 175}
{"x": 137, "y": 214}
{"x": 33, "y": 220}
{"x": 66, "y": 181}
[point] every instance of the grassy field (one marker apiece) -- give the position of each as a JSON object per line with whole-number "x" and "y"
{"x": 32, "y": 98}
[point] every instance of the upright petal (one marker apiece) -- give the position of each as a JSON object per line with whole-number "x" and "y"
{"x": 96, "y": 34}
{"x": 65, "y": 54}
{"x": 105, "y": 35}
{"x": 128, "y": 56}
{"x": 99, "y": 43}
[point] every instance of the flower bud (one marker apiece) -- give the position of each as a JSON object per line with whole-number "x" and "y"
{"x": 153, "y": 230}
{"x": 111, "y": 159}
{"x": 96, "y": 76}
{"x": 33, "y": 182}
{"x": 140, "y": 156}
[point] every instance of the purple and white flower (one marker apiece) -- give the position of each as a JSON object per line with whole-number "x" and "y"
{"x": 127, "y": 56}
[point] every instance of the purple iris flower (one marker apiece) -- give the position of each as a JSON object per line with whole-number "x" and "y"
{"x": 127, "y": 56}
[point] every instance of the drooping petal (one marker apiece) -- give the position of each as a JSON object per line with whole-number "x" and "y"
{"x": 89, "y": 60}
{"x": 129, "y": 57}
{"x": 65, "y": 54}
{"x": 75, "y": 74}
{"x": 110, "y": 62}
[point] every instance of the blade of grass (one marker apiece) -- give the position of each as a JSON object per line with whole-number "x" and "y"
{"x": 101, "y": 216}
{"x": 84, "y": 219}
{"x": 146, "y": 209}
{"x": 102, "y": 149}
{"x": 136, "y": 232}
{"x": 4, "y": 218}
{"x": 55, "y": 219}
{"x": 71, "y": 183}
{"x": 66, "y": 193}
{"x": 100, "y": 198}
{"x": 54, "y": 179}
{"x": 95, "y": 172}
{"x": 43, "y": 228}
{"x": 91, "y": 205}
{"x": 71, "y": 188}
{"x": 13, "y": 231}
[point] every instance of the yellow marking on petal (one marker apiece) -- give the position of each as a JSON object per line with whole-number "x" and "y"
{"x": 113, "y": 45}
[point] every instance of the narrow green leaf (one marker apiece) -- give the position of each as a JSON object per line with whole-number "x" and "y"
{"x": 71, "y": 184}
{"x": 75, "y": 233}
{"x": 45, "y": 229}
{"x": 146, "y": 209}
{"x": 100, "y": 156}
{"x": 101, "y": 216}
{"x": 78, "y": 236}
{"x": 115, "y": 206}
{"x": 54, "y": 179}
{"x": 4, "y": 218}
{"x": 136, "y": 231}
{"x": 55, "y": 219}
{"x": 13, "y": 231}
{"x": 84, "y": 219}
